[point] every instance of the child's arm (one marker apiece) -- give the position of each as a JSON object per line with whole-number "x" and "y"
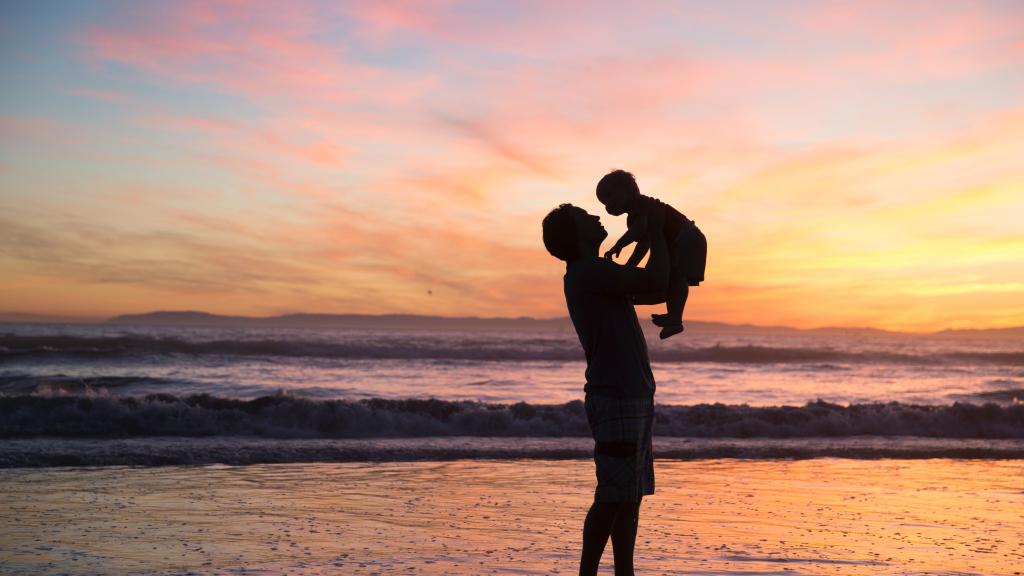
{"x": 637, "y": 232}
{"x": 642, "y": 246}
{"x": 628, "y": 238}
{"x": 639, "y": 282}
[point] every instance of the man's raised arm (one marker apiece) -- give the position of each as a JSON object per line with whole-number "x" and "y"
{"x": 658, "y": 264}
{"x": 652, "y": 278}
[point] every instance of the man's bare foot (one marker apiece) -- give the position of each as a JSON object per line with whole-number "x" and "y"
{"x": 670, "y": 331}
{"x": 663, "y": 320}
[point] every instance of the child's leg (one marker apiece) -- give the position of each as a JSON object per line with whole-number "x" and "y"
{"x": 675, "y": 300}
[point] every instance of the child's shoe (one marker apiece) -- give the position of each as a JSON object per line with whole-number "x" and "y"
{"x": 670, "y": 331}
{"x": 663, "y": 320}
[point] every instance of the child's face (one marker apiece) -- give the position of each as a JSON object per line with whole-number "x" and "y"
{"x": 615, "y": 202}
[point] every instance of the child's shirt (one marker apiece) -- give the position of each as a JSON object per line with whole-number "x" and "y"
{"x": 674, "y": 219}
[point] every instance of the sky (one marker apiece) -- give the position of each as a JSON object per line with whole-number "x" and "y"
{"x": 851, "y": 163}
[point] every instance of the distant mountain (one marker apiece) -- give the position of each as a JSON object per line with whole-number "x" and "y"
{"x": 22, "y": 318}
{"x": 363, "y": 321}
{"x": 1017, "y": 332}
{"x": 384, "y": 321}
{"x": 527, "y": 324}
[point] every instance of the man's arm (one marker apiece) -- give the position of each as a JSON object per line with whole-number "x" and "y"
{"x": 653, "y": 277}
{"x": 658, "y": 264}
{"x": 649, "y": 299}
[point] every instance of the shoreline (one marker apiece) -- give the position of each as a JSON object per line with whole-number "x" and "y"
{"x": 57, "y": 452}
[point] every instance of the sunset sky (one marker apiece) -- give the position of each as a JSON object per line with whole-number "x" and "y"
{"x": 851, "y": 163}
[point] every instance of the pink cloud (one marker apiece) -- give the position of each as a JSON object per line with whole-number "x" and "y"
{"x": 41, "y": 129}
{"x": 104, "y": 95}
{"x": 914, "y": 41}
{"x": 282, "y": 57}
{"x": 28, "y": 127}
{"x": 257, "y": 143}
{"x": 264, "y": 51}
{"x": 536, "y": 29}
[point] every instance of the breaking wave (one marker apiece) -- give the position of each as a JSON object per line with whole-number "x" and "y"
{"x": 18, "y": 347}
{"x": 283, "y": 416}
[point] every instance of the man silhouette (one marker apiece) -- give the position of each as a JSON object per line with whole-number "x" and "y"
{"x": 619, "y": 383}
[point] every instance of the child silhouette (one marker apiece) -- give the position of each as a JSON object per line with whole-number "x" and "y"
{"x": 688, "y": 248}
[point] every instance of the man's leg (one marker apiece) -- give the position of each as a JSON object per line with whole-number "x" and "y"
{"x": 596, "y": 529}
{"x": 624, "y": 537}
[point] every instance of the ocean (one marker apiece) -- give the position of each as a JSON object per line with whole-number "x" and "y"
{"x": 154, "y": 395}
{"x": 461, "y": 450}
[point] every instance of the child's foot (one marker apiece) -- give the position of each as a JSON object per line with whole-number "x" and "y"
{"x": 670, "y": 331}
{"x": 663, "y": 320}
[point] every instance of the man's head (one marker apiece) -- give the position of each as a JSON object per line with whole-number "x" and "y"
{"x": 570, "y": 232}
{"x": 616, "y": 191}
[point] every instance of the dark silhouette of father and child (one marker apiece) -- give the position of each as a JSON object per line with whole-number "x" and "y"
{"x": 600, "y": 295}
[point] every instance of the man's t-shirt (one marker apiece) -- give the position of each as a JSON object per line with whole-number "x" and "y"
{"x": 605, "y": 321}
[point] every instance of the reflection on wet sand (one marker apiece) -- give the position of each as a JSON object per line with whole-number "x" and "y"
{"x": 480, "y": 517}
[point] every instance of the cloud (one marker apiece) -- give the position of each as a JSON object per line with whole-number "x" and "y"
{"x": 913, "y": 41}
{"x": 166, "y": 259}
{"x": 269, "y": 53}
{"x": 360, "y": 154}
{"x": 240, "y": 139}
{"x": 502, "y": 147}
{"x": 103, "y": 95}
{"x": 40, "y": 129}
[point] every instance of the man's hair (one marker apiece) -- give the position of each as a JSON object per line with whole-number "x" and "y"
{"x": 560, "y": 235}
{"x": 617, "y": 180}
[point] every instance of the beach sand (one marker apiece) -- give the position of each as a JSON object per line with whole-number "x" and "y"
{"x": 821, "y": 516}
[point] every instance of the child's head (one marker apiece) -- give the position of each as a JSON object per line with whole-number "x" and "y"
{"x": 616, "y": 191}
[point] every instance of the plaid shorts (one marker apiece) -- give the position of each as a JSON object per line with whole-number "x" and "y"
{"x": 622, "y": 430}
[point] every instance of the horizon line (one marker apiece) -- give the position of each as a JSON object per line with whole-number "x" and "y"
{"x": 9, "y": 317}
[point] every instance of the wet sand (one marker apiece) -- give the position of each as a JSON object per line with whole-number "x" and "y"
{"x": 821, "y": 516}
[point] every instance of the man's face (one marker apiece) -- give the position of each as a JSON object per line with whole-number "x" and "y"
{"x": 589, "y": 228}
